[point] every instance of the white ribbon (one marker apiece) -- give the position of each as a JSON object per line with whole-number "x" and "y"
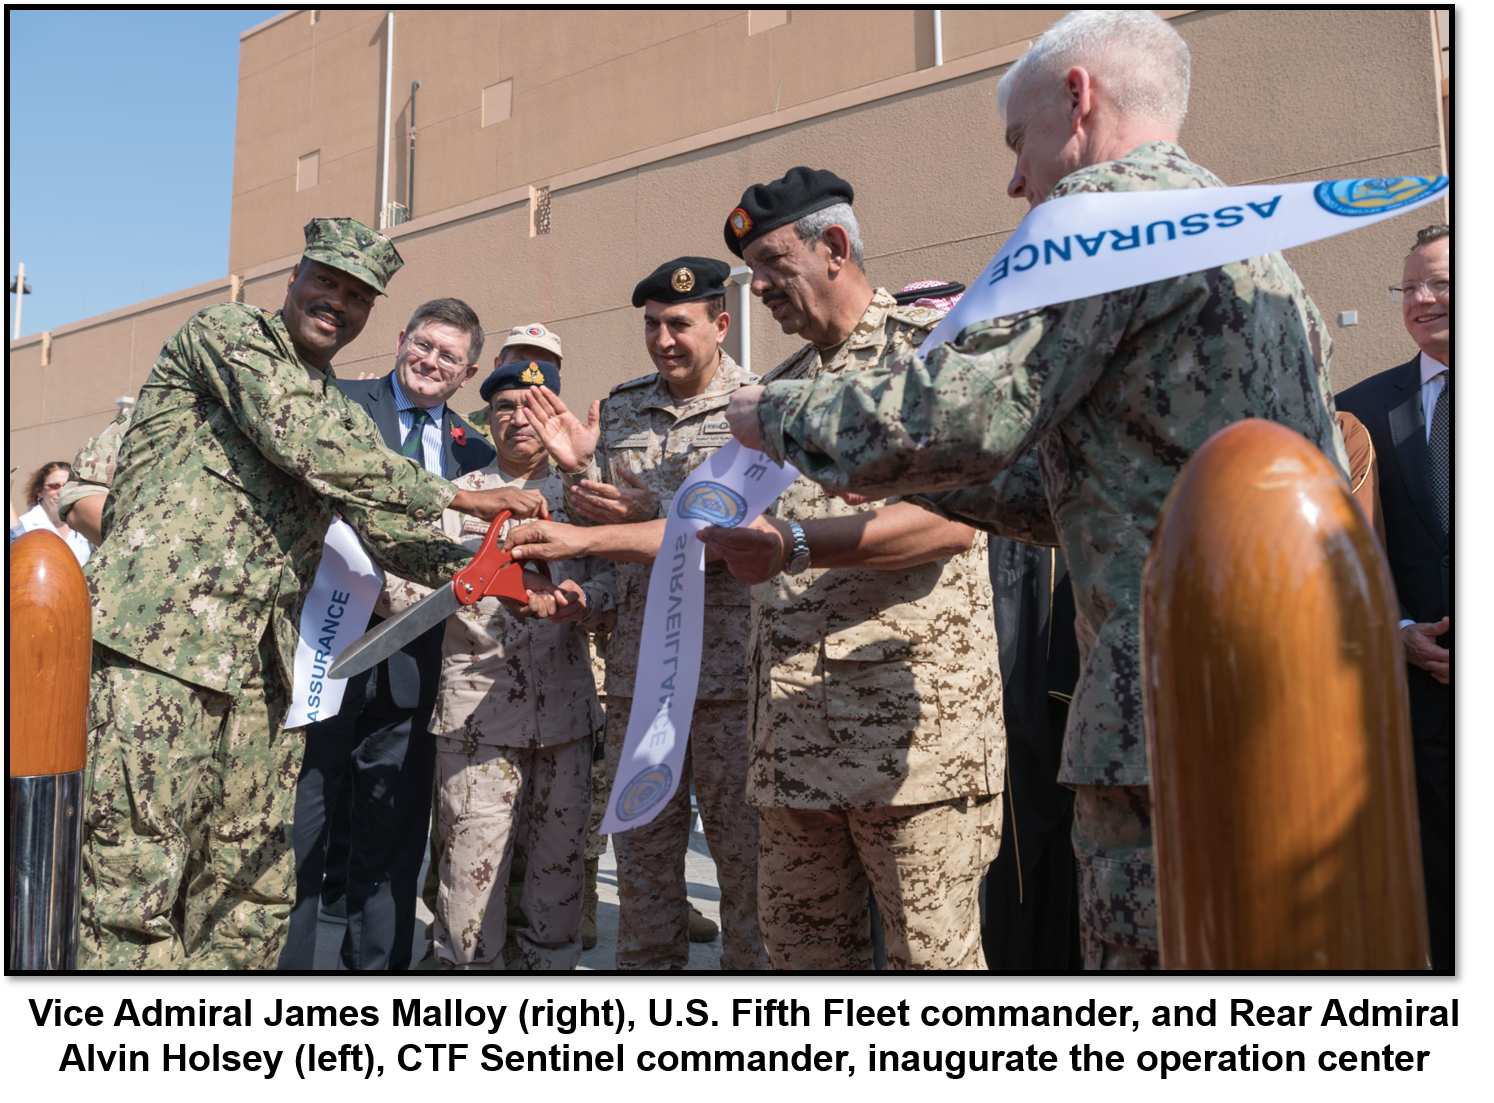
{"x": 729, "y": 489}
{"x": 1095, "y": 242}
{"x": 336, "y": 613}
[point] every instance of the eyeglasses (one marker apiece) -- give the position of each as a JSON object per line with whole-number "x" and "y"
{"x": 423, "y": 349}
{"x": 1433, "y": 287}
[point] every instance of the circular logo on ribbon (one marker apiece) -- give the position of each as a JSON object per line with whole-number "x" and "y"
{"x": 644, "y": 791}
{"x": 714, "y": 503}
{"x": 536, "y": 330}
{"x": 1375, "y": 194}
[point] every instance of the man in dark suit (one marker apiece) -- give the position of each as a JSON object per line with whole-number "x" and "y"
{"x": 377, "y": 743}
{"x": 1408, "y": 412}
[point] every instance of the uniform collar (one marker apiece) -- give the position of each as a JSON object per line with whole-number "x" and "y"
{"x": 729, "y": 376}
{"x": 868, "y": 333}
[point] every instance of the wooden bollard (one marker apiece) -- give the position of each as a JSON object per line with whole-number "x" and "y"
{"x": 1283, "y": 796}
{"x": 50, "y": 650}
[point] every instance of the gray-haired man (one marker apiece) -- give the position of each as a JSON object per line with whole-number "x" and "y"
{"x": 1111, "y": 394}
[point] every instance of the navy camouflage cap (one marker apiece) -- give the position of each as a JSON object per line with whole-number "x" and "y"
{"x": 348, "y": 245}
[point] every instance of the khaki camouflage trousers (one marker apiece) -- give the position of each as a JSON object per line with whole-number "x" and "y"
{"x": 1117, "y": 877}
{"x": 187, "y": 860}
{"x": 924, "y": 863}
{"x": 601, "y": 785}
{"x": 653, "y": 925}
{"x": 485, "y": 797}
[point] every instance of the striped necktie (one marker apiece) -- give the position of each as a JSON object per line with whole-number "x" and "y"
{"x": 413, "y": 446}
{"x": 1440, "y": 452}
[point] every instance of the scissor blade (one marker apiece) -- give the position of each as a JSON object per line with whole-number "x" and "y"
{"x": 383, "y": 640}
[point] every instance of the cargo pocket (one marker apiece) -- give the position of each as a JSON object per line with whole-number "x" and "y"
{"x": 880, "y": 703}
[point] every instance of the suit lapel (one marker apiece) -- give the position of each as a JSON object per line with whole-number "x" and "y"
{"x": 449, "y": 467}
{"x": 1408, "y": 435}
{"x": 385, "y": 416}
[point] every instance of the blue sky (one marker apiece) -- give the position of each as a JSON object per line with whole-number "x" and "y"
{"x": 121, "y": 155}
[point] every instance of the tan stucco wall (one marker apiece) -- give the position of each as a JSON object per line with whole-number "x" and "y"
{"x": 1277, "y": 95}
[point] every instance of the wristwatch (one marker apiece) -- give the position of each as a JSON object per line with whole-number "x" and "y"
{"x": 799, "y": 554}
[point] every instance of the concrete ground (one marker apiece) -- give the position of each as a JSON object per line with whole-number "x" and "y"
{"x": 700, "y": 883}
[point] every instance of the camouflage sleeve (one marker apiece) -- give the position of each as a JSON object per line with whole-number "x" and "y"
{"x": 75, "y": 492}
{"x": 1013, "y": 505}
{"x": 956, "y": 420}
{"x": 600, "y": 587}
{"x": 96, "y": 460}
{"x": 325, "y": 440}
{"x": 93, "y": 466}
{"x": 592, "y": 471}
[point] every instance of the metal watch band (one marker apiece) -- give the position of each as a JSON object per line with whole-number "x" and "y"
{"x": 799, "y": 555}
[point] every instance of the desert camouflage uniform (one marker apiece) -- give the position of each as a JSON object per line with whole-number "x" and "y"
{"x": 224, "y": 489}
{"x": 878, "y": 744}
{"x": 93, "y": 466}
{"x": 1115, "y": 393}
{"x": 515, "y": 721}
{"x": 646, "y": 430}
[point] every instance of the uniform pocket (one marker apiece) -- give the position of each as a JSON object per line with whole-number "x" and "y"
{"x": 880, "y": 704}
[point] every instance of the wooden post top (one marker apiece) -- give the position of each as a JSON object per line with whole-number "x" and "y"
{"x": 50, "y": 657}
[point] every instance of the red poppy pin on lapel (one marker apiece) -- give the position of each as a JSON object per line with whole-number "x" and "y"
{"x": 459, "y": 434}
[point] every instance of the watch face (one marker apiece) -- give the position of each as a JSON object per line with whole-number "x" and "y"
{"x": 799, "y": 564}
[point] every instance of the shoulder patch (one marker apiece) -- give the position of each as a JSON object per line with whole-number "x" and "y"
{"x": 789, "y": 365}
{"x": 631, "y": 383}
{"x": 923, "y": 317}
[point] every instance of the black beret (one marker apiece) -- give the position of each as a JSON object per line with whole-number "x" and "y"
{"x": 766, "y": 207}
{"x": 521, "y": 373}
{"x": 683, "y": 280}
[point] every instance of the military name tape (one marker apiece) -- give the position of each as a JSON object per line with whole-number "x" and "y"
{"x": 1095, "y": 242}
{"x": 730, "y": 488}
{"x": 336, "y": 612}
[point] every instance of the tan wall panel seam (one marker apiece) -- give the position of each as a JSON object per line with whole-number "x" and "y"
{"x": 326, "y": 163}
{"x": 141, "y": 308}
{"x": 1337, "y": 164}
{"x": 642, "y": 49}
{"x": 270, "y": 22}
{"x": 111, "y": 412}
{"x": 318, "y": 44}
{"x": 937, "y": 244}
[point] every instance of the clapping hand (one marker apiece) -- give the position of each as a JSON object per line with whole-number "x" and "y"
{"x": 605, "y": 504}
{"x": 571, "y": 444}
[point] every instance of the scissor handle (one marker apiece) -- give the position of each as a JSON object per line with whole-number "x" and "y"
{"x": 473, "y": 581}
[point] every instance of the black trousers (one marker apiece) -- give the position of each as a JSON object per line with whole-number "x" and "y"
{"x": 381, "y": 750}
{"x": 1434, "y": 800}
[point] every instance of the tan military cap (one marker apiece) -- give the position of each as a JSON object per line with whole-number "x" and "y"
{"x": 542, "y": 337}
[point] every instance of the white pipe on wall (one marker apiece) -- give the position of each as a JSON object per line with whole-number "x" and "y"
{"x": 743, "y": 277}
{"x": 388, "y": 120}
{"x": 938, "y": 37}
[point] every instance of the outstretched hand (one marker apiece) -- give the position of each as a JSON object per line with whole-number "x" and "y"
{"x": 547, "y": 540}
{"x": 741, "y": 412}
{"x": 570, "y": 443}
{"x": 753, "y": 554}
{"x": 561, "y": 604}
{"x": 605, "y": 504}
{"x": 487, "y": 504}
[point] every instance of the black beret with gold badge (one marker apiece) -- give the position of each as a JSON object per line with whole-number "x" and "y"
{"x": 683, "y": 280}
